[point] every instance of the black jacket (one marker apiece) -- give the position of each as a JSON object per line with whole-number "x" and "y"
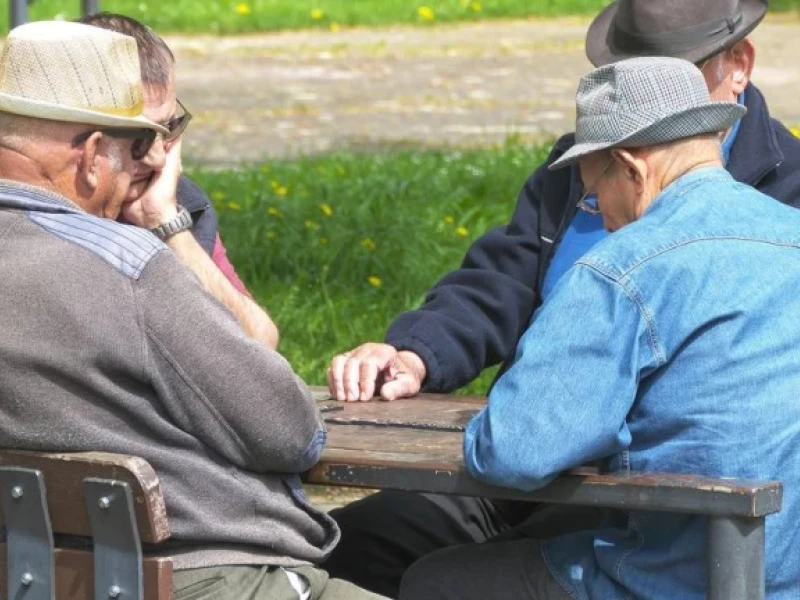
{"x": 195, "y": 200}
{"x": 473, "y": 317}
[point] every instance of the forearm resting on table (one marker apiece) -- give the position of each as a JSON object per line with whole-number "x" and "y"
{"x": 253, "y": 319}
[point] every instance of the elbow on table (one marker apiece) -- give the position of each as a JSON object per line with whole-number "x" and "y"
{"x": 509, "y": 469}
{"x": 296, "y": 442}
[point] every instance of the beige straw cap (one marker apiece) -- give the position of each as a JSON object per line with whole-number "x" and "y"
{"x": 65, "y": 71}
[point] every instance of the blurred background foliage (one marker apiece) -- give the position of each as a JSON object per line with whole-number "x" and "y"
{"x": 239, "y": 16}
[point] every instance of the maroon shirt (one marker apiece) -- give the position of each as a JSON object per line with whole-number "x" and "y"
{"x": 220, "y": 257}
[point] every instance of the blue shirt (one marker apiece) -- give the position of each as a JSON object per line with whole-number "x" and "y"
{"x": 586, "y": 230}
{"x": 671, "y": 346}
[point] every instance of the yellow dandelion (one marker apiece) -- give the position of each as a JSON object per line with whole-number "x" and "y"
{"x": 426, "y": 13}
{"x": 476, "y": 6}
{"x": 309, "y": 224}
{"x": 449, "y": 219}
{"x": 243, "y": 8}
{"x": 274, "y": 211}
{"x": 795, "y": 131}
{"x": 317, "y": 14}
{"x": 369, "y": 244}
{"x": 323, "y": 241}
{"x": 234, "y": 206}
{"x": 374, "y": 281}
{"x": 282, "y": 190}
{"x": 462, "y": 231}
{"x": 334, "y": 27}
{"x": 326, "y": 209}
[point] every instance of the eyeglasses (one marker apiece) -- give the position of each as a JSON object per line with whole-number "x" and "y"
{"x": 143, "y": 138}
{"x": 177, "y": 124}
{"x": 588, "y": 202}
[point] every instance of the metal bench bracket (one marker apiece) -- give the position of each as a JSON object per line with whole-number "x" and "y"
{"x": 117, "y": 548}
{"x": 28, "y": 534}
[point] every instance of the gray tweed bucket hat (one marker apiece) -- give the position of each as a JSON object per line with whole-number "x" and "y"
{"x": 644, "y": 102}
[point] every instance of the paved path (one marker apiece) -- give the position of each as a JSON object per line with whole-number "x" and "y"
{"x": 308, "y": 92}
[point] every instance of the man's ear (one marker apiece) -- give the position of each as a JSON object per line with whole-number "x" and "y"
{"x": 632, "y": 166}
{"x": 89, "y": 162}
{"x": 742, "y": 56}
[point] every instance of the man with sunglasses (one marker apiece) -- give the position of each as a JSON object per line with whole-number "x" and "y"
{"x": 174, "y": 208}
{"x": 473, "y": 317}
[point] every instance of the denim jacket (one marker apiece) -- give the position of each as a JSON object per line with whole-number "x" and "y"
{"x": 671, "y": 346}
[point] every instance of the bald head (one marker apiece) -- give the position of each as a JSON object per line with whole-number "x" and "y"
{"x": 627, "y": 180}
{"x": 43, "y": 153}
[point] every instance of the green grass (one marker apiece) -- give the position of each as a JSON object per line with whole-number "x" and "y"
{"x": 235, "y": 16}
{"x": 336, "y": 246}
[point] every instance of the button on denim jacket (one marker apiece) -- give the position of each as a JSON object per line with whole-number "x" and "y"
{"x": 671, "y": 346}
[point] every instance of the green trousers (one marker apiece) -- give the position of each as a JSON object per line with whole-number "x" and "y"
{"x": 261, "y": 583}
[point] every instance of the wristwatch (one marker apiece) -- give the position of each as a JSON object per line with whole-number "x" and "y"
{"x": 181, "y": 222}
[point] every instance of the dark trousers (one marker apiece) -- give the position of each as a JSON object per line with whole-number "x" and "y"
{"x": 384, "y": 534}
{"x": 494, "y": 570}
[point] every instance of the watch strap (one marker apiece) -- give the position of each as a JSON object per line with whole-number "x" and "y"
{"x": 180, "y": 222}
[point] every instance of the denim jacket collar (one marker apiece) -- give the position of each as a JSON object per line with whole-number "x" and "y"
{"x": 679, "y": 187}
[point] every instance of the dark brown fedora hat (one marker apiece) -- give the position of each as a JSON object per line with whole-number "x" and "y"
{"x": 690, "y": 29}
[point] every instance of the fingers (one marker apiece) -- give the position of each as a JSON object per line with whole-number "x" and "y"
{"x": 404, "y": 376}
{"x": 353, "y": 376}
{"x": 336, "y": 376}
{"x": 403, "y": 385}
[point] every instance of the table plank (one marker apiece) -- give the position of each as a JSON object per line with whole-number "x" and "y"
{"x": 390, "y": 453}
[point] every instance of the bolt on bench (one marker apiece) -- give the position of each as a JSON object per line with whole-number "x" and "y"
{"x": 51, "y": 501}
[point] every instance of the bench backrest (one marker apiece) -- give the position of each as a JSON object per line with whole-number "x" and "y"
{"x": 113, "y": 499}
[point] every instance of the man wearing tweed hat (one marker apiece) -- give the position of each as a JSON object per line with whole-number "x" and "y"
{"x": 665, "y": 348}
{"x": 473, "y": 317}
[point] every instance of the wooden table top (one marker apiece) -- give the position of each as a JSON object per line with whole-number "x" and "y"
{"x": 415, "y": 444}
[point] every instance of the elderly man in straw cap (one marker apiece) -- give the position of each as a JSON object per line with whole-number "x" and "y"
{"x": 673, "y": 346}
{"x": 100, "y": 349}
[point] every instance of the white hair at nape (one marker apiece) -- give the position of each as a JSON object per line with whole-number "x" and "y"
{"x": 17, "y": 130}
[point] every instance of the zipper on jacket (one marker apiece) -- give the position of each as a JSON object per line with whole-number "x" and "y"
{"x": 569, "y": 212}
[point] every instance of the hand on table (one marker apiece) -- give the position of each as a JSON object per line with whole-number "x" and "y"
{"x": 373, "y": 368}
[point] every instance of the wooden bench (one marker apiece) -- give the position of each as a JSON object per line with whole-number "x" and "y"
{"x": 54, "y": 507}
{"x": 19, "y": 10}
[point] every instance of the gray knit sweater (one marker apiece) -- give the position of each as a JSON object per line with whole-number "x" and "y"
{"x": 109, "y": 343}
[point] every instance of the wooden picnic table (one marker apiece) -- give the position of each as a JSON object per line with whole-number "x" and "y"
{"x": 415, "y": 444}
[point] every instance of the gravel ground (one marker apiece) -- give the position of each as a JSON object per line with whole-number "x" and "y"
{"x": 283, "y": 94}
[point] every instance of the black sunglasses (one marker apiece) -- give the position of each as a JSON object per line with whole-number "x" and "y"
{"x": 177, "y": 124}
{"x": 143, "y": 138}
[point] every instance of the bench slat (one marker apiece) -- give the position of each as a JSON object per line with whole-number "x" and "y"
{"x": 74, "y": 572}
{"x": 64, "y": 475}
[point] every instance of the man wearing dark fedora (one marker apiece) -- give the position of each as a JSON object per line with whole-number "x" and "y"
{"x": 473, "y": 317}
